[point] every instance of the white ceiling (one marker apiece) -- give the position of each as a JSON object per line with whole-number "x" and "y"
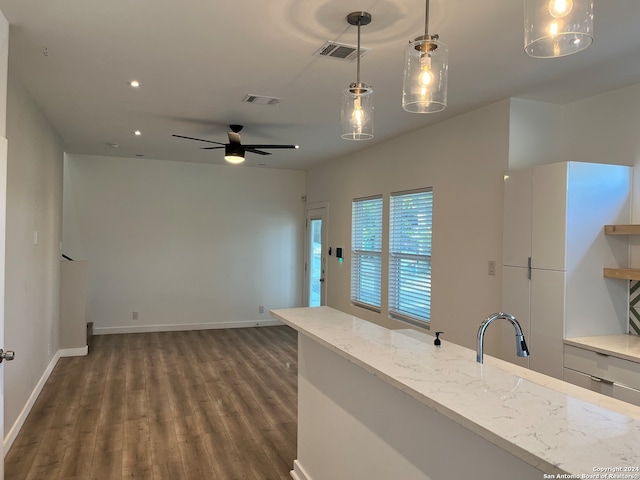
{"x": 197, "y": 59}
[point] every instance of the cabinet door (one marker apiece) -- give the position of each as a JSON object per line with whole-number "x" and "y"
{"x": 515, "y": 300}
{"x": 516, "y": 229}
{"x": 549, "y": 216}
{"x": 547, "y": 322}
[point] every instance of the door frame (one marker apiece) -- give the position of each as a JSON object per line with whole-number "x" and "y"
{"x": 322, "y": 211}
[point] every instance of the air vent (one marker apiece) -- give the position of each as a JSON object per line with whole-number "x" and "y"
{"x": 341, "y": 51}
{"x": 261, "y": 100}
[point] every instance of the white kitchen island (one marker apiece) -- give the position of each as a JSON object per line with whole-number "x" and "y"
{"x": 379, "y": 404}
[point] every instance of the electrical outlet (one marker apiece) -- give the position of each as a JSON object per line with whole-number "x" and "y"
{"x": 260, "y": 308}
{"x": 492, "y": 267}
{"x": 135, "y": 315}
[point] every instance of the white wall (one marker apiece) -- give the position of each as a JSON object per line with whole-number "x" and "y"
{"x": 604, "y": 128}
{"x": 535, "y": 133}
{"x": 185, "y": 245}
{"x": 32, "y": 275}
{"x": 463, "y": 159}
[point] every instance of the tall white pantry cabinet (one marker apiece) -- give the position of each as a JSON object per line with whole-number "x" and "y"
{"x": 554, "y": 252}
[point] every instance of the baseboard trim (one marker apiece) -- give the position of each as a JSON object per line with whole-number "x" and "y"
{"x": 299, "y": 473}
{"x": 183, "y": 327}
{"x": 74, "y": 352}
{"x": 17, "y": 425}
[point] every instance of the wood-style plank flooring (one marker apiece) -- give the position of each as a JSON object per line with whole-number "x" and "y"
{"x": 211, "y": 404}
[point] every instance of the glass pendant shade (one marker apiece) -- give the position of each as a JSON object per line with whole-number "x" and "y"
{"x": 555, "y": 28}
{"x": 425, "y": 75}
{"x": 357, "y": 112}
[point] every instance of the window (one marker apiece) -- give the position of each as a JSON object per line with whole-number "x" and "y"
{"x": 410, "y": 225}
{"x": 366, "y": 252}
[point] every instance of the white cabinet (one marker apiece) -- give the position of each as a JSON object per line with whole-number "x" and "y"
{"x": 554, "y": 251}
{"x": 606, "y": 374}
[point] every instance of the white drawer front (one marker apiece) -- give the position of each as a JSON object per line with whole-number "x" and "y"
{"x": 581, "y": 379}
{"x": 606, "y": 367}
{"x": 625, "y": 394}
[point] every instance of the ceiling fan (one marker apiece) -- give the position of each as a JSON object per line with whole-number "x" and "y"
{"x": 234, "y": 150}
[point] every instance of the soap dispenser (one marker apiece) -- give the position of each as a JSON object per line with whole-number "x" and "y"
{"x": 437, "y": 341}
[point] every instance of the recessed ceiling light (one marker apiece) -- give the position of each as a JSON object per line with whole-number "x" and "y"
{"x": 137, "y": 132}
{"x": 114, "y": 145}
{"x": 139, "y": 155}
{"x": 134, "y": 83}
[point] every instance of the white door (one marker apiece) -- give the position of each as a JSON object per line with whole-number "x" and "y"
{"x": 549, "y": 216}
{"x": 516, "y": 301}
{"x": 315, "y": 285}
{"x": 4, "y": 55}
{"x": 3, "y": 212}
{"x": 516, "y": 233}
{"x": 547, "y": 322}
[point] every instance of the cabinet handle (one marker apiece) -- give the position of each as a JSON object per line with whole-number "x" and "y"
{"x": 529, "y": 268}
{"x": 601, "y": 380}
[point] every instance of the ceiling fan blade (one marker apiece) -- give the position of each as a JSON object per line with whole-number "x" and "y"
{"x": 198, "y": 139}
{"x": 211, "y": 148}
{"x": 253, "y": 150}
{"x": 234, "y": 137}
{"x": 271, "y": 146}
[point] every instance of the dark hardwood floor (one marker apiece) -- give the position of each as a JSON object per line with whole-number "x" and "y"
{"x": 210, "y": 404}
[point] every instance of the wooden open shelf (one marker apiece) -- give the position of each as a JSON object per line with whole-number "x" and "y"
{"x": 622, "y": 229}
{"x": 622, "y": 273}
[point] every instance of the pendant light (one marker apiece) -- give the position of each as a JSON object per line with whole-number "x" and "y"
{"x": 425, "y": 73}
{"x": 555, "y": 28}
{"x": 357, "y": 100}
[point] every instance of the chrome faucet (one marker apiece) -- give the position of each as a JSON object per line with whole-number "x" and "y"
{"x": 521, "y": 346}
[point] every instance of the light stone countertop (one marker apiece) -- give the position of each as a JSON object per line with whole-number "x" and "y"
{"x": 622, "y": 346}
{"x": 550, "y": 424}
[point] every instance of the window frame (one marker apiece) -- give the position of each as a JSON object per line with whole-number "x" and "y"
{"x": 358, "y": 253}
{"x": 420, "y": 256}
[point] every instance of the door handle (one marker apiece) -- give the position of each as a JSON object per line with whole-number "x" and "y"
{"x": 322, "y": 280}
{"x": 8, "y": 355}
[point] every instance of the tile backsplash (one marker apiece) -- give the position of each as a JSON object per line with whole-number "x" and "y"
{"x": 634, "y": 307}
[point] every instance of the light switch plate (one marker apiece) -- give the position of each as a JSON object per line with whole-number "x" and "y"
{"x": 492, "y": 267}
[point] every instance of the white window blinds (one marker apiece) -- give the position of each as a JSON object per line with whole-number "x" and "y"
{"x": 410, "y": 255}
{"x": 366, "y": 251}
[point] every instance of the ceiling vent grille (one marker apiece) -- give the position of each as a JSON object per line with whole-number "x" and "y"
{"x": 261, "y": 100}
{"x": 341, "y": 51}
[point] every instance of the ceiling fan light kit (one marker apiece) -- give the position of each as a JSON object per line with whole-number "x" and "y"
{"x": 234, "y": 151}
{"x": 357, "y": 100}
{"x": 426, "y": 65}
{"x": 556, "y": 28}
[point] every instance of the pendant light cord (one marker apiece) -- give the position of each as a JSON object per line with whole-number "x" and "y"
{"x": 358, "y": 65}
{"x": 426, "y": 20}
